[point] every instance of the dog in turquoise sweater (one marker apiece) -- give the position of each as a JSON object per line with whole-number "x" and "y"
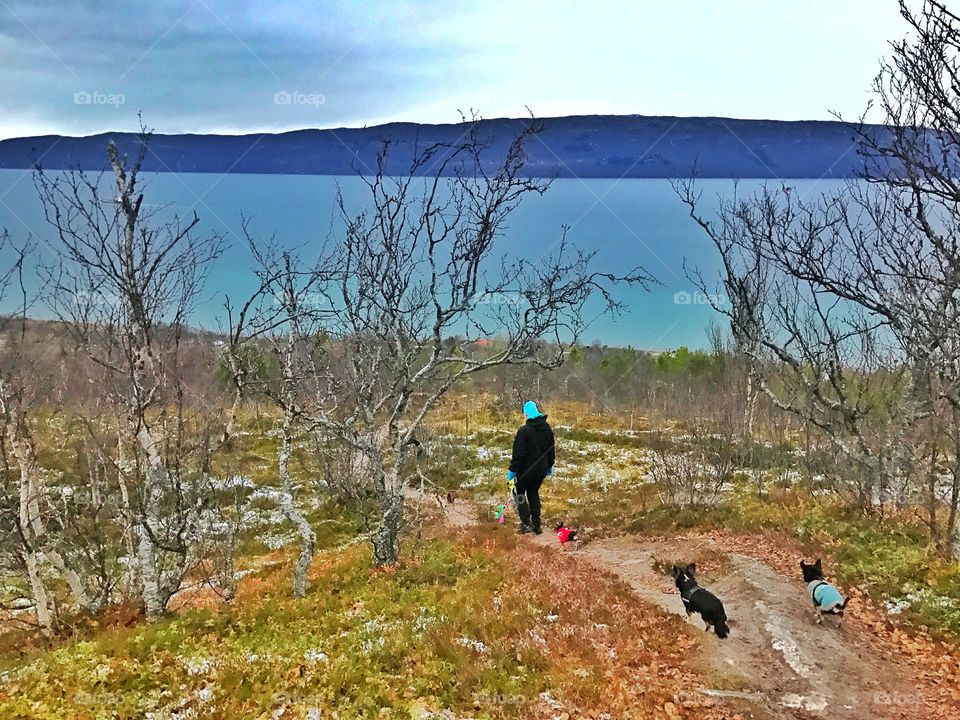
{"x": 825, "y": 597}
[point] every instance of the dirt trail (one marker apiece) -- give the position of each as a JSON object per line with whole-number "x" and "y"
{"x": 786, "y": 664}
{"x": 777, "y": 662}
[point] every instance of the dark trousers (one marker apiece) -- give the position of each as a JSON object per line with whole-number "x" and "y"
{"x": 527, "y": 498}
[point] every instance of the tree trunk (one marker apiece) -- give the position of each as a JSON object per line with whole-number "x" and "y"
{"x": 39, "y": 592}
{"x": 32, "y": 525}
{"x": 950, "y": 528}
{"x": 37, "y": 588}
{"x": 386, "y": 539}
{"x": 751, "y": 404}
{"x": 155, "y": 593}
{"x": 153, "y": 604}
{"x": 26, "y": 459}
{"x": 308, "y": 538}
{"x": 131, "y": 531}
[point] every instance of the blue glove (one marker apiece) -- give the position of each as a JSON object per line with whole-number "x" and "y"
{"x": 549, "y": 472}
{"x": 511, "y": 475}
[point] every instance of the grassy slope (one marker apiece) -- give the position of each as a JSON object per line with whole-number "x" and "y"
{"x": 478, "y": 625}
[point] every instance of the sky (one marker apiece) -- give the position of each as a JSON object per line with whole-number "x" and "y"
{"x": 233, "y": 66}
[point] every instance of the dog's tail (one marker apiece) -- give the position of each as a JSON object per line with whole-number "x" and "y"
{"x": 721, "y": 629}
{"x": 838, "y": 608}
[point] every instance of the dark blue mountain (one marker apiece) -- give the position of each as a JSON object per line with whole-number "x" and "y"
{"x": 594, "y": 146}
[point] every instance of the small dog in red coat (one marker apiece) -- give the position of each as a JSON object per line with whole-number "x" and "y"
{"x": 565, "y": 534}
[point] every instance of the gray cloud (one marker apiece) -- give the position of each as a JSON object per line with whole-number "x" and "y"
{"x": 214, "y": 64}
{"x": 208, "y": 65}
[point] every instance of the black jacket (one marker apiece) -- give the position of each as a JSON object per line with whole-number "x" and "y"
{"x": 533, "y": 451}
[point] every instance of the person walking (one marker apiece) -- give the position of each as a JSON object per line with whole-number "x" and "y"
{"x": 533, "y": 457}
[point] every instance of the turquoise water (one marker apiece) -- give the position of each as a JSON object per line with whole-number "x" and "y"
{"x": 628, "y": 223}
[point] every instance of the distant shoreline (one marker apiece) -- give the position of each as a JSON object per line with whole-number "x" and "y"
{"x": 588, "y": 146}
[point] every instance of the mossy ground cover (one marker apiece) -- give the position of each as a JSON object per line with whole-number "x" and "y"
{"x": 479, "y": 626}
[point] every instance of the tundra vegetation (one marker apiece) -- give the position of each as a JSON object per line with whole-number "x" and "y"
{"x": 246, "y": 491}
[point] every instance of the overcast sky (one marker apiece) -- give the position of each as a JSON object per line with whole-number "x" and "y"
{"x": 82, "y": 66}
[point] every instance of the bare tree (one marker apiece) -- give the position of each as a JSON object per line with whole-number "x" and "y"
{"x": 41, "y": 525}
{"x": 124, "y": 287}
{"x": 26, "y": 523}
{"x": 813, "y": 353}
{"x": 300, "y": 388}
{"x": 413, "y": 296}
{"x": 849, "y": 302}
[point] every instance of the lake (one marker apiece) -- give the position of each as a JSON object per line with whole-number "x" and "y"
{"x": 628, "y": 222}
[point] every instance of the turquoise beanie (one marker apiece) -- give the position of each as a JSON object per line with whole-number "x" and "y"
{"x": 531, "y": 410}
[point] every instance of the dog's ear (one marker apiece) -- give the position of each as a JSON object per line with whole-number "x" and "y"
{"x": 817, "y": 564}
{"x": 675, "y": 570}
{"x": 692, "y": 568}
{"x": 803, "y": 565}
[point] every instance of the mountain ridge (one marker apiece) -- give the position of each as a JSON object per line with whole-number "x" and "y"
{"x": 583, "y": 146}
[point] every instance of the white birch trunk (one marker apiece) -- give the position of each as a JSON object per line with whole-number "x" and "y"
{"x": 308, "y": 538}
{"x": 31, "y": 520}
{"x": 154, "y": 598}
{"x": 39, "y": 592}
{"x": 29, "y": 479}
{"x": 131, "y": 531}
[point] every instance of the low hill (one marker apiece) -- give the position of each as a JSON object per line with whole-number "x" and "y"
{"x": 595, "y": 146}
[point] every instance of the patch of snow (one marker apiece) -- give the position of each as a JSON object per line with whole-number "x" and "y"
{"x": 783, "y": 641}
{"x": 424, "y": 619}
{"x": 895, "y": 606}
{"x": 547, "y": 698}
{"x": 275, "y": 541}
{"x": 196, "y": 666}
{"x": 315, "y": 656}
{"x": 739, "y": 694}
{"x": 476, "y": 645}
{"x": 812, "y": 703}
{"x": 916, "y": 595}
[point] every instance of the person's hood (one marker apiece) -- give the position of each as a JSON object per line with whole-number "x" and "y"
{"x": 531, "y": 411}
{"x": 538, "y": 421}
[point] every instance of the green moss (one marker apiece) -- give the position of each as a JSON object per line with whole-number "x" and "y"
{"x": 360, "y": 641}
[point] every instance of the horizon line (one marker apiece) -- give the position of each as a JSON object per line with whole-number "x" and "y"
{"x": 389, "y": 123}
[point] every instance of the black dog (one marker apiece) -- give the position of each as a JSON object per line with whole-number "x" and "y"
{"x": 700, "y": 600}
{"x": 826, "y": 598}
